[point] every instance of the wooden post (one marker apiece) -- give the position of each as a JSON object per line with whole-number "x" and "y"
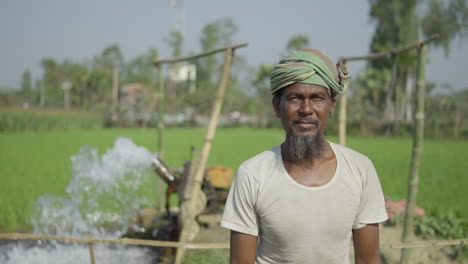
{"x": 115, "y": 93}
{"x": 91, "y": 250}
{"x": 342, "y": 116}
{"x": 195, "y": 185}
{"x": 418, "y": 137}
{"x": 160, "y": 112}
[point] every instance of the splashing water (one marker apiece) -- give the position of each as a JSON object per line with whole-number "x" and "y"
{"x": 104, "y": 193}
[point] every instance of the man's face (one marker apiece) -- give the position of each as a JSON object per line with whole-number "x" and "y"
{"x": 304, "y": 109}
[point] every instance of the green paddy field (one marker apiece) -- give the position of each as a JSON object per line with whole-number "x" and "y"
{"x": 34, "y": 164}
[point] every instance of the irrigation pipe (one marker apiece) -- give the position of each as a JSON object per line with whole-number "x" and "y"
{"x": 189, "y": 245}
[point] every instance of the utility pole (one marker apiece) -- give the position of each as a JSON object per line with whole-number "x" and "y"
{"x": 179, "y": 24}
{"x": 41, "y": 94}
{"x": 66, "y": 86}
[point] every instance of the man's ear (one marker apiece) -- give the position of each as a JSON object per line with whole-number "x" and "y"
{"x": 275, "y": 102}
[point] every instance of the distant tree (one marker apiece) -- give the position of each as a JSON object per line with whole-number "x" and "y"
{"x": 218, "y": 32}
{"x": 77, "y": 74}
{"x": 99, "y": 81}
{"x": 397, "y": 24}
{"x": 447, "y": 20}
{"x": 141, "y": 68}
{"x": 215, "y": 34}
{"x": 26, "y": 83}
{"x": 9, "y": 97}
{"x": 51, "y": 81}
{"x": 175, "y": 42}
{"x": 369, "y": 90}
{"x": 298, "y": 41}
{"x": 111, "y": 57}
{"x": 263, "y": 108}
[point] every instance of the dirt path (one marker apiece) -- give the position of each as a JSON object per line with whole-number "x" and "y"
{"x": 437, "y": 255}
{"x": 388, "y": 234}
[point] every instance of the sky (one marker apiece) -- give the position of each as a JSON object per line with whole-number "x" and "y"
{"x": 78, "y": 30}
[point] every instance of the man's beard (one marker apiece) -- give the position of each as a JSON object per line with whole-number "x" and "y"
{"x": 301, "y": 147}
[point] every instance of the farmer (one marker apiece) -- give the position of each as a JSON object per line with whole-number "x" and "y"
{"x": 303, "y": 201}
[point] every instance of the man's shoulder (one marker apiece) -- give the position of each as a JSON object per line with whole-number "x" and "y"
{"x": 350, "y": 154}
{"x": 263, "y": 162}
{"x": 263, "y": 158}
{"x": 354, "y": 164}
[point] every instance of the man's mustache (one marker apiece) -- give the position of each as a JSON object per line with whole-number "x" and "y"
{"x": 306, "y": 120}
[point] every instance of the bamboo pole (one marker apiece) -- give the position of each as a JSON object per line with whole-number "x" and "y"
{"x": 115, "y": 94}
{"x": 189, "y": 245}
{"x": 195, "y": 185}
{"x": 196, "y": 56}
{"x": 91, "y": 250}
{"x": 418, "y": 137}
{"x": 158, "y": 63}
{"x": 391, "y": 53}
{"x": 424, "y": 244}
{"x": 373, "y": 56}
{"x": 160, "y": 111}
{"x": 342, "y": 116}
{"x": 120, "y": 241}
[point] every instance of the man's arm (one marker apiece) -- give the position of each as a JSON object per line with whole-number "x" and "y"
{"x": 243, "y": 248}
{"x": 366, "y": 244}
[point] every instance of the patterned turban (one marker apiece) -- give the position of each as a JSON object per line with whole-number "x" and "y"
{"x": 310, "y": 66}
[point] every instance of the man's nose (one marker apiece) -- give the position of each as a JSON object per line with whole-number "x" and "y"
{"x": 306, "y": 107}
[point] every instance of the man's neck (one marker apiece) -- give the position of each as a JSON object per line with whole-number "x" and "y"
{"x": 313, "y": 170}
{"x": 309, "y": 160}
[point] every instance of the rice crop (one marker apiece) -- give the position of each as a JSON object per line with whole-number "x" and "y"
{"x": 15, "y": 120}
{"x": 34, "y": 164}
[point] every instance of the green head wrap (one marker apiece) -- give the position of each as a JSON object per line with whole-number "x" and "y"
{"x": 310, "y": 66}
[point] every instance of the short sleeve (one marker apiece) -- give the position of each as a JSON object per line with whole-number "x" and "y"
{"x": 372, "y": 204}
{"x": 239, "y": 212}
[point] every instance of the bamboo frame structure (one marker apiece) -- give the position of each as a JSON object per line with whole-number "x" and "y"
{"x": 195, "y": 188}
{"x": 203, "y": 54}
{"x": 418, "y": 132}
{"x": 190, "y": 245}
{"x": 158, "y": 63}
{"x": 418, "y": 138}
{"x": 192, "y": 191}
{"x": 391, "y": 53}
{"x": 342, "y": 117}
{"x": 160, "y": 111}
{"x": 91, "y": 250}
{"x": 373, "y": 56}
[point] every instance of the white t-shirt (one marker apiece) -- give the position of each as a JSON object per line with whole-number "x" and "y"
{"x": 301, "y": 224}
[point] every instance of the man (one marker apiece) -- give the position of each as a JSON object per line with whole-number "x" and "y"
{"x": 303, "y": 201}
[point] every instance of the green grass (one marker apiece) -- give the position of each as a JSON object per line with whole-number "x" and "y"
{"x": 212, "y": 256}
{"x": 442, "y": 181}
{"x": 33, "y": 164}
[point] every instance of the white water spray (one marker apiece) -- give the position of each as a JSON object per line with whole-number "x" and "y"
{"x": 104, "y": 193}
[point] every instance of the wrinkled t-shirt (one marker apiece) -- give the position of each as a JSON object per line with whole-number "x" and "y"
{"x": 301, "y": 224}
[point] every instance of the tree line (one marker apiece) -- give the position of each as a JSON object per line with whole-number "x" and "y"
{"x": 381, "y": 97}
